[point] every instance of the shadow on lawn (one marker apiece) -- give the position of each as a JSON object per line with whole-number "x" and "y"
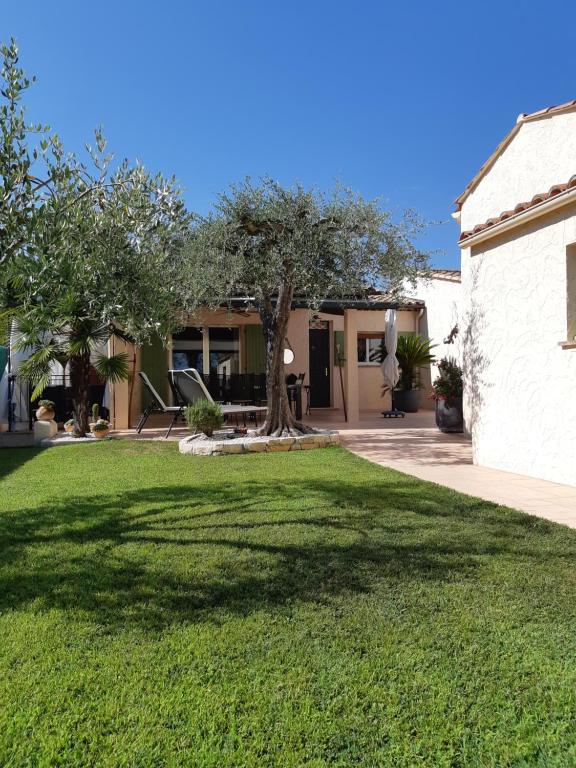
{"x": 158, "y": 556}
{"x": 12, "y": 458}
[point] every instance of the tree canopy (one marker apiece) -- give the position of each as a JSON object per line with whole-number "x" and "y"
{"x": 263, "y": 238}
{"x": 272, "y": 244}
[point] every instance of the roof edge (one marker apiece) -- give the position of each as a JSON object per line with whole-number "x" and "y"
{"x": 568, "y": 106}
{"x": 558, "y": 195}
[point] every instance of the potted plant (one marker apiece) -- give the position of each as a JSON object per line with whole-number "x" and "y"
{"x": 95, "y": 416}
{"x": 413, "y": 353}
{"x": 101, "y": 429}
{"x": 69, "y": 425}
{"x": 204, "y": 416}
{"x": 448, "y": 389}
{"x": 45, "y": 410}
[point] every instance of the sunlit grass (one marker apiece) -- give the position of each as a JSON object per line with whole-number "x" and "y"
{"x": 304, "y": 609}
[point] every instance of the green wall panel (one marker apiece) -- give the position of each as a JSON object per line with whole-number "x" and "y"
{"x": 255, "y": 349}
{"x": 154, "y": 363}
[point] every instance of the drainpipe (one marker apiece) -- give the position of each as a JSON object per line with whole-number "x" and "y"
{"x": 418, "y": 318}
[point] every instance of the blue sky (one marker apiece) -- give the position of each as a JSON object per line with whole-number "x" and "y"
{"x": 402, "y": 101}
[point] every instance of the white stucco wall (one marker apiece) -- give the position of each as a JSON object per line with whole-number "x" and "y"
{"x": 443, "y": 300}
{"x": 542, "y": 153}
{"x": 520, "y": 385}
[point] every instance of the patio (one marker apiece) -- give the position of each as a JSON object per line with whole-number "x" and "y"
{"x": 415, "y": 446}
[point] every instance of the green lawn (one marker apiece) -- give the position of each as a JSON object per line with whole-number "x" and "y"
{"x": 304, "y": 609}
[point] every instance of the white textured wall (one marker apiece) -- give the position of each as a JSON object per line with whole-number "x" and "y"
{"x": 542, "y": 153}
{"x": 520, "y": 393}
{"x": 443, "y": 300}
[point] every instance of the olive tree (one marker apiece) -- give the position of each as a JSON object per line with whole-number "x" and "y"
{"x": 102, "y": 262}
{"x": 273, "y": 244}
{"x": 29, "y": 159}
{"x": 88, "y": 250}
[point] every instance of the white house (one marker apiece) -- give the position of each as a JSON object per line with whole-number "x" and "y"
{"x": 518, "y": 327}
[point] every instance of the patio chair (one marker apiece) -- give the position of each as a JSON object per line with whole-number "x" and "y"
{"x": 188, "y": 387}
{"x": 157, "y": 405}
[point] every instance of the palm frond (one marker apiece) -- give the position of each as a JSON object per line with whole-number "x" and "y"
{"x": 78, "y": 346}
{"x": 120, "y": 334}
{"x": 113, "y": 367}
{"x": 6, "y": 318}
{"x": 37, "y": 369}
{"x": 41, "y": 385}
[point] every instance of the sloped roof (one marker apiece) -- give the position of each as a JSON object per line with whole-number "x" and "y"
{"x": 453, "y": 275}
{"x": 556, "y": 189}
{"x": 568, "y": 106}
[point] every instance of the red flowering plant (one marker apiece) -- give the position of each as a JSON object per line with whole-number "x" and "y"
{"x": 448, "y": 385}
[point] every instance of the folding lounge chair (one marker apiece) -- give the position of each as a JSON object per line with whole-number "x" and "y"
{"x": 157, "y": 405}
{"x": 189, "y": 387}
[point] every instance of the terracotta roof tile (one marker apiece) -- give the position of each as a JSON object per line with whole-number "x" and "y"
{"x": 555, "y": 190}
{"x": 547, "y": 110}
{"x": 453, "y": 275}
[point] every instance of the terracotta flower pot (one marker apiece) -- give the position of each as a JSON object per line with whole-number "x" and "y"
{"x": 100, "y": 434}
{"x": 45, "y": 414}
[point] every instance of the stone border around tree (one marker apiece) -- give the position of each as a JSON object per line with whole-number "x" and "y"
{"x": 203, "y": 446}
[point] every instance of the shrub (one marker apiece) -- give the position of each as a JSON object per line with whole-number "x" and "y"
{"x": 46, "y": 404}
{"x": 101, "y": 425}
{"x": 204, "y": 416}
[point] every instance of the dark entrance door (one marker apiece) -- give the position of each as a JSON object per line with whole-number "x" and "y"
{"x": 319, "y": 368}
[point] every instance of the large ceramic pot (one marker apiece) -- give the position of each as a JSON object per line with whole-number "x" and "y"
{"x": 407, "y": 400}
{"x": 100, "y": 434}
{"x": 45, "y": 413}
{"x": 449, "y": 416}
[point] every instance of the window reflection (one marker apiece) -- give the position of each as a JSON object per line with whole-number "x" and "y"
{"x": 224, "y": 348}
{"x": 224, "y": 344}
{"x": 187, "y": 349}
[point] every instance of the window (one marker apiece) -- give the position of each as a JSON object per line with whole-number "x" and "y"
{"x": 223, "y": 348}
{"x": 370, "y": 348}
{"x": 187, "y": 349}
{"x": 571, "y": 293}
{"x": 224, "y": 351}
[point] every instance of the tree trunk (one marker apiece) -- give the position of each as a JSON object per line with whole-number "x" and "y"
{"x": 279, "y": 420}
{"x": 79, "y": 377}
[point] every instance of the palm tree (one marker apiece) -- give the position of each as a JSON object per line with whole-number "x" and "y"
{"x": 413, "y": 353}
{"x": 70, "y": 340}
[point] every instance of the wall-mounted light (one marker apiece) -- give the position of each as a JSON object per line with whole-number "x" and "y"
{"x": 288, "y": 353}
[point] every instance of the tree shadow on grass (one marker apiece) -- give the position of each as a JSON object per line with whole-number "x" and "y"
{"x": 158, "y": 556}
{"x": 12, "y": 458}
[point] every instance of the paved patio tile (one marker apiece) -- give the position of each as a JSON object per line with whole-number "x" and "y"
{"x": 415, "y": 446}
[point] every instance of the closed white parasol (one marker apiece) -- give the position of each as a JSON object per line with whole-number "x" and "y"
{"x": 390, "y": 367}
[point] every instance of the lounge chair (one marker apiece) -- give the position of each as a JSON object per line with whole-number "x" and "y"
{"x": 157, "y": 405}
{"x": 188, "y": 388}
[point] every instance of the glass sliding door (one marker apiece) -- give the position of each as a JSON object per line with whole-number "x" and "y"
{"x": 187, "y": 349}
{"x": 224, "y": 345}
